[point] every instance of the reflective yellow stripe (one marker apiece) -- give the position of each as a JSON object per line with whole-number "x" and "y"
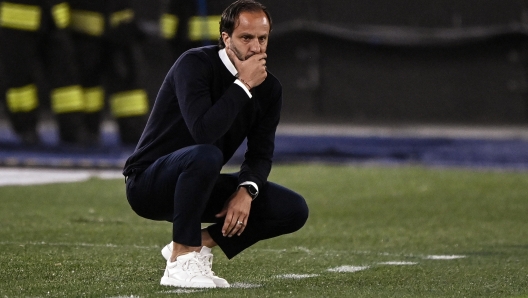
{"x": 93, "y": 99}
{"x": 204, "y": 28}
{"x": 61, "y": 15}
{"x": 129, "y": 103}
{"x": 169, "y": 25}
{"x": 22, "y": 99}
{"x": 88, "y": 22}
{"x": 20, "y": 17}
{"x": 123, "y": 16}
{"x": 67, "y": 99}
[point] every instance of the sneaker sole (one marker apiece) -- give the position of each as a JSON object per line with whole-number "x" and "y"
{"x": 222, "y": 285}
{"x": 166, "y": 253}
{"x": 165, "y": 281}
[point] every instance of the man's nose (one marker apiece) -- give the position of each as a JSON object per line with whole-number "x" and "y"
{"x": 255, "y": 46}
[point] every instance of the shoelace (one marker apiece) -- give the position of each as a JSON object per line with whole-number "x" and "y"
{"x": 192, "y": 265}
{"x": 207, "y": 264}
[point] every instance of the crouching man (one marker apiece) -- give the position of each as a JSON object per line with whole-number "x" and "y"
{"x": 212, "y": 99}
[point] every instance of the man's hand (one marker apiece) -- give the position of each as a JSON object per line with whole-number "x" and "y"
{"x": 236, "y": 212}
{"x": 251, "y": 71}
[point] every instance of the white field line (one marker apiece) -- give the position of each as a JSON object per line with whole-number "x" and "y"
{"x": 180, "y": 291}
{"x": 243, "y": 285}
{"x": 17, "y": 176}
{"x": 43, "y": 243}
{"x": 398, "y": 263}
{"x": 296, "y": 276}
{"x": 451, "y": 257}
{"x": 348, "y": 268}
{"x": 279, "y": 251}
{"x": 418, "y": 256}
{"x": 302, "y": 248}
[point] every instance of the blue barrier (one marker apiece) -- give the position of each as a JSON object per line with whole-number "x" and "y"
{"x": 444, "y": 151}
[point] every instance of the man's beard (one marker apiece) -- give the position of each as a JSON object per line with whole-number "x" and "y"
{"x": 237, "y": 52}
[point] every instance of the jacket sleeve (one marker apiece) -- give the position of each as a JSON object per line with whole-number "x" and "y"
{"x": 206, "y": 121}
{"x": 261, "y": 143}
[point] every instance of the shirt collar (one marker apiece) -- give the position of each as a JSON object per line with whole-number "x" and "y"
{"x": 228, "y": 64}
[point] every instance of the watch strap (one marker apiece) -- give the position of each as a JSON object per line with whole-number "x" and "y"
{"x": 249, "y": 184}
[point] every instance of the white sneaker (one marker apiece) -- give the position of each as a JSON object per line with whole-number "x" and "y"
{"x": 187, "y": 272}
{"x": 206, "y": 257}
{"x": 207, "y": 260}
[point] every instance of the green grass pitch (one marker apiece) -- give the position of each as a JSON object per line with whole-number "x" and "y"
{"x": 373, "y": 231}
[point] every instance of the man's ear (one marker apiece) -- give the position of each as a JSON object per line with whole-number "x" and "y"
{"x": 225, "y": 38}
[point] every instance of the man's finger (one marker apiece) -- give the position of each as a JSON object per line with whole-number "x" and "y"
{"x": 239, "y": 225}
{"x": 222, "y": 213}
{"x": 241, "y": 230}
{"x": 231, "y": 54}
{"x": 259, "y": 57}
{"x": 228, "y": 226}
{"x": 235, "y": 226}
{"x": 229, "y": 229}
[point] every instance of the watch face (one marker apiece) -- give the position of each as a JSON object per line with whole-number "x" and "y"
{"x": 252, "y": 190}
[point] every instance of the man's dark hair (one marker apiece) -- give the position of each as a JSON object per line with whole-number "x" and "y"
{"x": 229, "y": 19}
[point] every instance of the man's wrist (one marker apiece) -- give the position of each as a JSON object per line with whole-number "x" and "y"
{"x": 251, "y": 188}
{"x": 243, "y": 86}
{"x": 245, "y": 83}
{"x": 244, "y": 192}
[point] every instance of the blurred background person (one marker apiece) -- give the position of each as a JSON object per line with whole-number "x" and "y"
{"x": 34, "y": 40}
{"x": 107, "y": 42}
{"x": 191, "y": 23}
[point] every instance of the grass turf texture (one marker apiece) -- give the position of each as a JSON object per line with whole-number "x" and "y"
{"x": 82, "y": 239}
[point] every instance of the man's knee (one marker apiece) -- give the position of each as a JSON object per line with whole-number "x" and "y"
{"x": 206, "y": 158}
{"x": 299, "y": 214}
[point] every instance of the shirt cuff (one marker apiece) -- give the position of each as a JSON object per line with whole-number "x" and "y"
{"x": 239, "y": 83}
{"x": 251, "y": 188}
{"x": 250, "y": 183}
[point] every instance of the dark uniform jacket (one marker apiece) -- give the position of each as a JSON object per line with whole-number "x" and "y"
{"x": 199, "y": 103}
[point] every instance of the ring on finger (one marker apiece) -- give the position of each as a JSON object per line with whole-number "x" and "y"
{"x": 240, "y": 223}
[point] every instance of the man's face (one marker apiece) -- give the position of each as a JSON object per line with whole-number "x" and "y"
{"x": 250, "y": 36}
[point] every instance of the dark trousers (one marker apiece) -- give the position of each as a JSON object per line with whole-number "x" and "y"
{"x": 187, "y": 189}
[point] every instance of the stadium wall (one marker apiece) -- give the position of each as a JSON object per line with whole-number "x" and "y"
{"x": 386, "y": 61}
{"x": 408, "y": 61}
